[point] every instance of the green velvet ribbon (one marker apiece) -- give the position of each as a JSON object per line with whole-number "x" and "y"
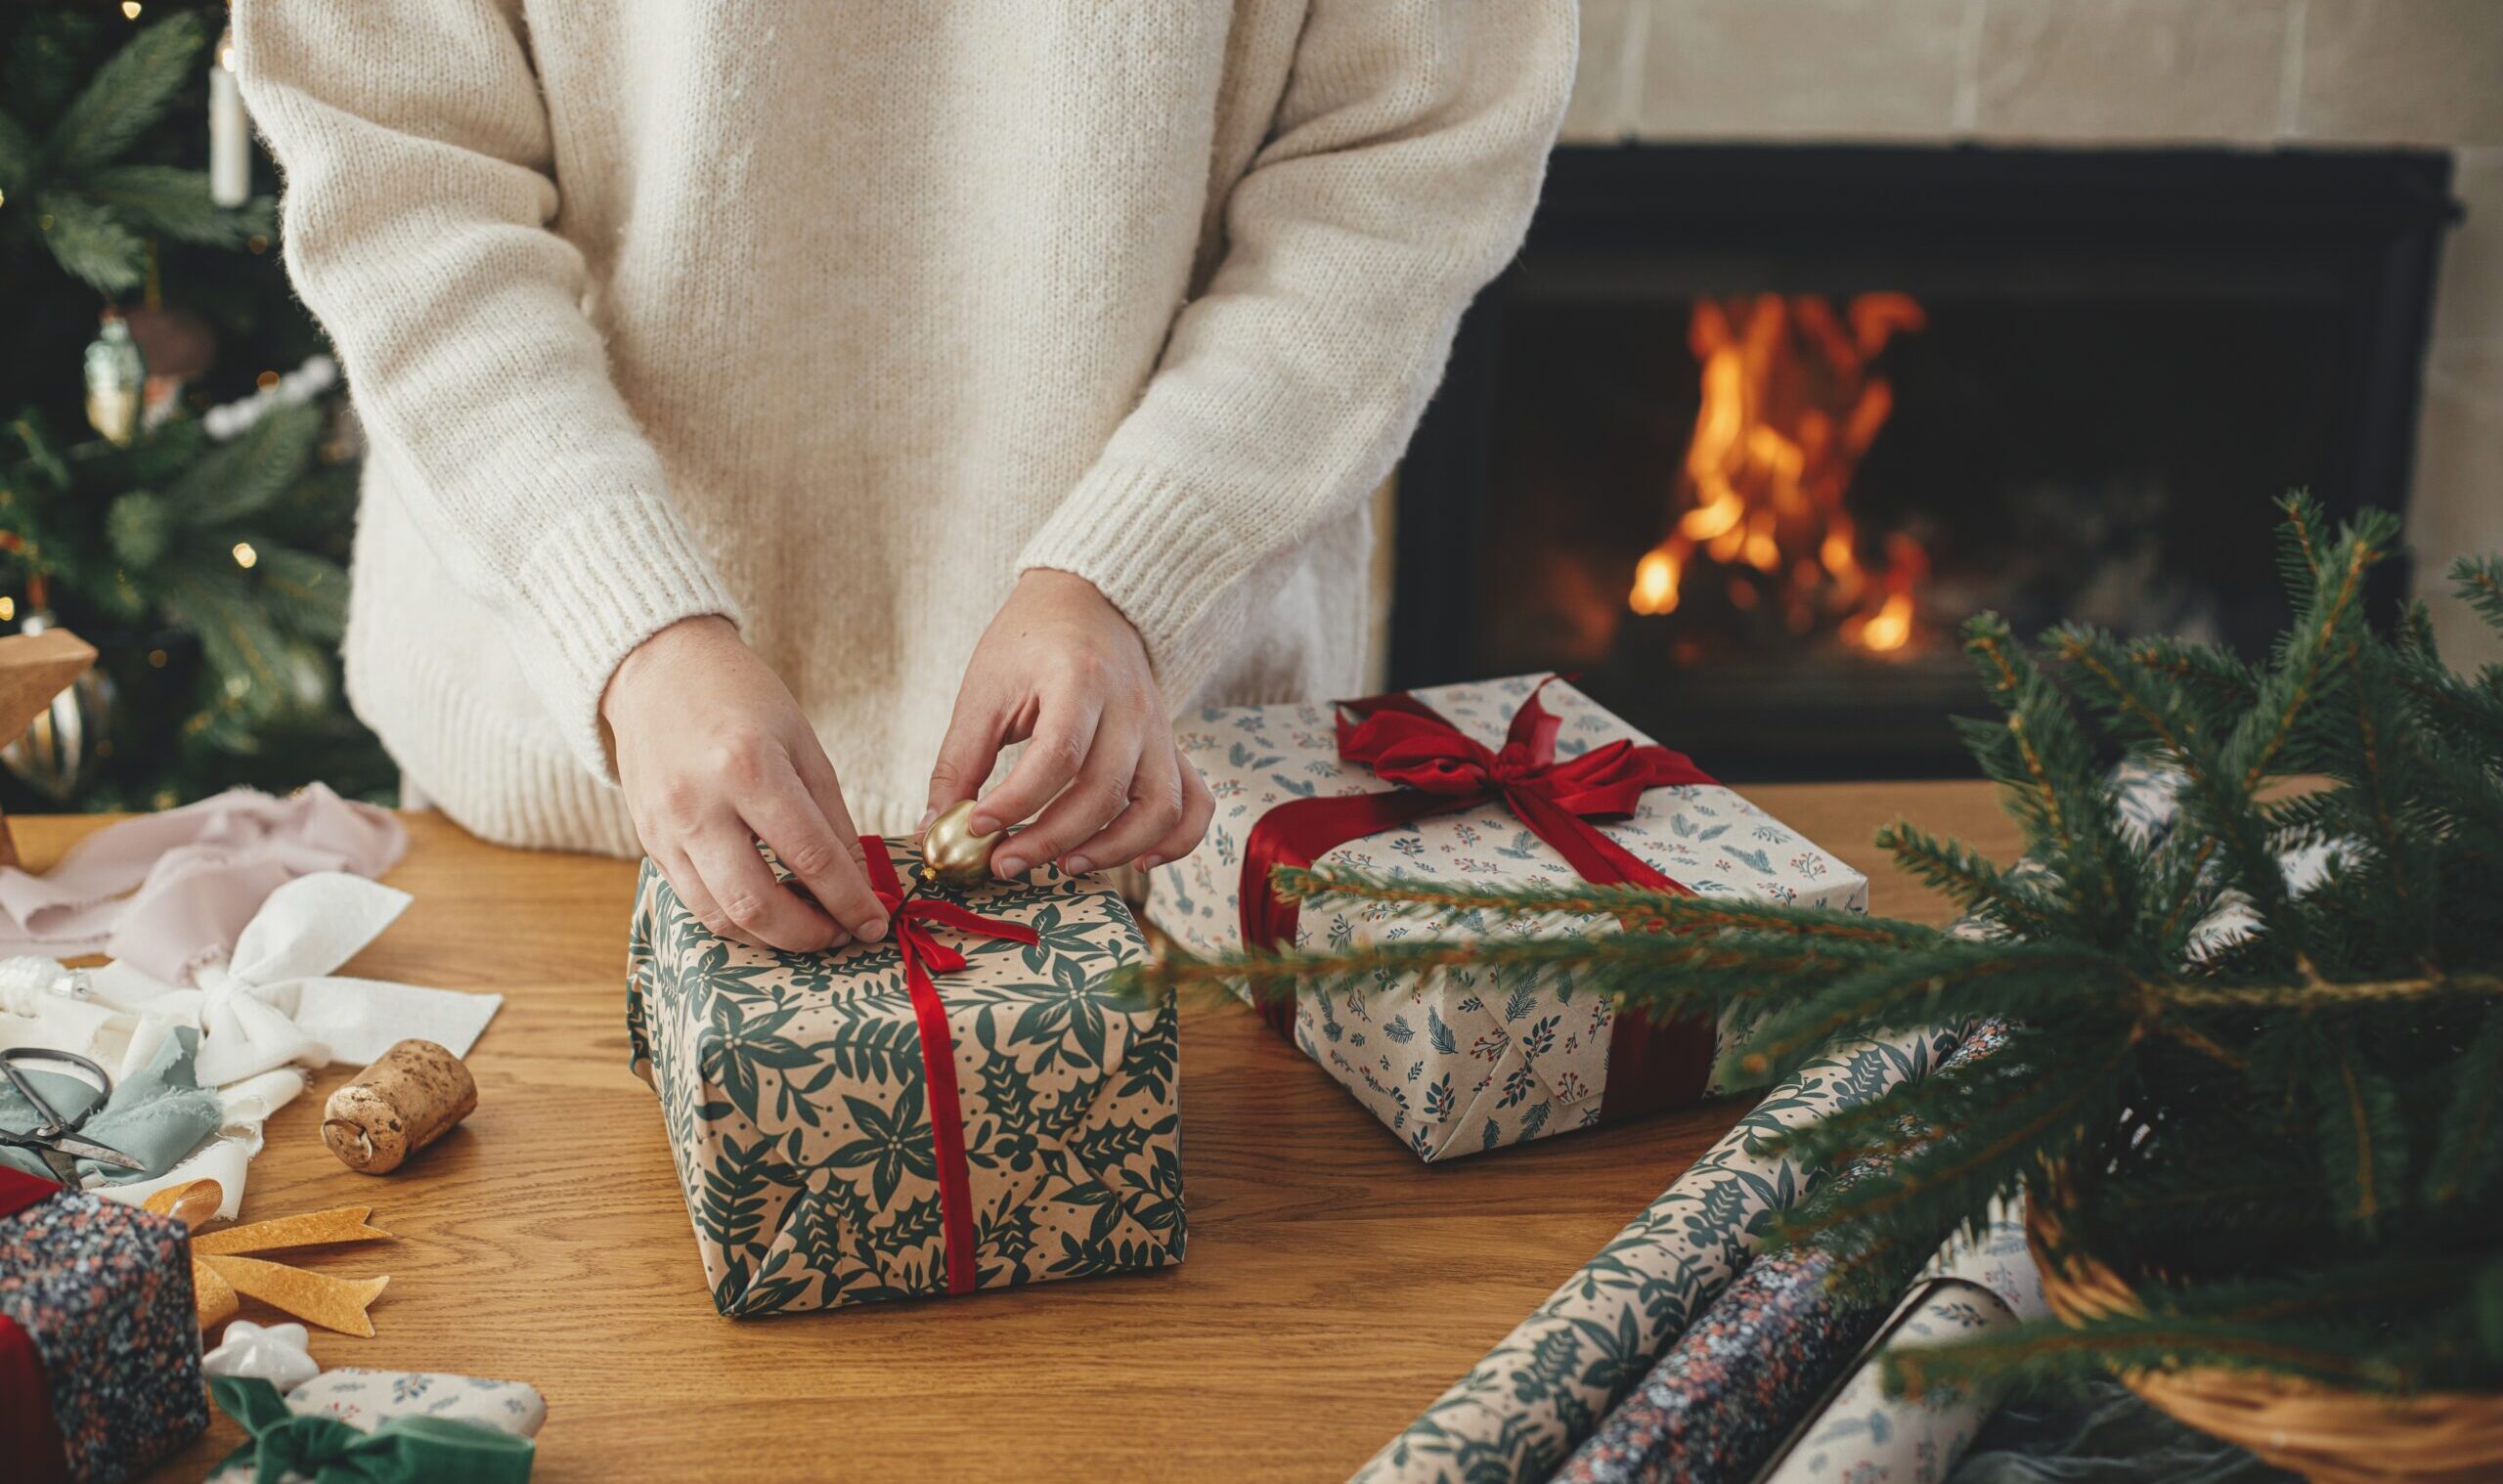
{"x": 406, "y": 1450}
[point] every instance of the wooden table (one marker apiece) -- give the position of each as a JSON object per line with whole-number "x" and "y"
{"x": 1335, "y": 1286}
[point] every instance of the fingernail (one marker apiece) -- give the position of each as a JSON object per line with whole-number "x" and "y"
{"x": 981, "y": 824}
{"x": 1076, "y": 865}
{"x": 874, "y": 931}
{"x": 838, "y": 940}
{"x": 1150, "y": 863}
{"x": 926, "y": 816}
{"x": 1008, "y": 867}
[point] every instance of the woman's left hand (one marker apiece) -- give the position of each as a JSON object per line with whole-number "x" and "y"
{"x": 1062, "y": 671}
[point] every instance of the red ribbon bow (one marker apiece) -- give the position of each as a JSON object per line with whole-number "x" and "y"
{"x": 923, "y": 955}
{"x": 1436, "y": 768}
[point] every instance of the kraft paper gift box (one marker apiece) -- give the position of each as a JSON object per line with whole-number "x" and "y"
{"x": 960, "y": 1106}
{"x": 1476, "y": 784}
{"x": 99, "y": 1339}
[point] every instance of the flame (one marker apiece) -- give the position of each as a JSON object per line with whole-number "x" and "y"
{"x": 1788, "y": 409}
{"x": 1655, "y": 582}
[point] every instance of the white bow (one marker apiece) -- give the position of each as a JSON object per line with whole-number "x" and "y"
{"x": 274, "y": 1001}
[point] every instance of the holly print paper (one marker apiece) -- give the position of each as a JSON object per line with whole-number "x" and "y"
{"x": 1461, "y": 1060}
{"x": 798, "y": 1105}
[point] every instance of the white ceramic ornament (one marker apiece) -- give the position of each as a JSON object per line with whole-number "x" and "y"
{"x": 274, "y": 1353}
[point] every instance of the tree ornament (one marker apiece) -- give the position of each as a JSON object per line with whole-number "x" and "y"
{"x": 117, "y": 380}
{"x": 954, "y": 853}
{"x": 230, "y": 133}
{"x": 52, "y": 748}
{"x": 177, "y": 347}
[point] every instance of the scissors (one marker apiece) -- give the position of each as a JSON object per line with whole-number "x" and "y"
{"x": 56, "y": 1139}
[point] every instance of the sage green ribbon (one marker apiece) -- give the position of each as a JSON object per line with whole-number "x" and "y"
{"x": 406, "y": 1450}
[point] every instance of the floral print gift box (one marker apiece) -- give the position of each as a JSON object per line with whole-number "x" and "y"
{"x": 1460, "y": 1060}
{"x": 959, "y": 1107}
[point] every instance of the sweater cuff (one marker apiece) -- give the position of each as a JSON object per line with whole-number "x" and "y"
{"x": 597, "y": 585}
{"x": 1161, "y": 556}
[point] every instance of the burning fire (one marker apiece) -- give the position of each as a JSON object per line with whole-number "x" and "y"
{"x": 1790, "y": 409}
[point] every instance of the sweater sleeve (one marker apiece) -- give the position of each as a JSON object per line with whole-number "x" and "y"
{"x": 1398, "y": 178}
{"x": 417, "y": 159}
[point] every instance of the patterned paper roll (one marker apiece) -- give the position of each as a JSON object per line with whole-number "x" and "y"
{"x": 1870, "y": 1437}
{"x": 1532, "y": 1400}
{"x": 1726, "y": 1392}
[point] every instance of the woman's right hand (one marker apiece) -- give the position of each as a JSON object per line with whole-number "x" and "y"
{"x": 714, "y": 756}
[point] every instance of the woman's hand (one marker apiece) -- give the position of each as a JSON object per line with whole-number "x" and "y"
{"x": 1062, "y": 671}
{"x": 714, "y": 756}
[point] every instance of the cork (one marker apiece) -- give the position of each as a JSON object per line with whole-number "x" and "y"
{"x": 409, "y": 1098}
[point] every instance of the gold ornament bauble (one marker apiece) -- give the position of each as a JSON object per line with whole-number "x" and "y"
{"x": 953, "y": 853}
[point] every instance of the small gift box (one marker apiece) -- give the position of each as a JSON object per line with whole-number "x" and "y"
{"x": 960, "y": 1106}
{"x": 1499, "y": 783}
{"x": 405, "y": 1426}
{"x": 98, "y": 1346}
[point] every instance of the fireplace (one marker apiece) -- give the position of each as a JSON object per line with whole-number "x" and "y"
{"x": 1748, "y": 431}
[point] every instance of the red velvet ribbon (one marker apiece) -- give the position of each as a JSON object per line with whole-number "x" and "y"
{"x": 30, "y": 1435}
{"x": 1439, "y": 770}
{"x": 923, "y": 955}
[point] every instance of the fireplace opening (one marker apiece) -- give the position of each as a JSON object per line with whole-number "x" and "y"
{"x": 1747, "y": 433}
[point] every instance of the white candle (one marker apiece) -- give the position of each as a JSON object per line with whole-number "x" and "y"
{"x": 230, "y": 142}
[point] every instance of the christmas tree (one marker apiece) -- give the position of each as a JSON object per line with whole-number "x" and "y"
{"x": 2273, "y": 1107}
{"x": 177, "y": 470}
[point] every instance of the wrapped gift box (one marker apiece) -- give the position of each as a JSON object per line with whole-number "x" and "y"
{"x": 366, "y": 1401}
{"x": 844, "y": 1136}
{"x": 99, "y": 1341}
{"x": 1459, "y": 1060}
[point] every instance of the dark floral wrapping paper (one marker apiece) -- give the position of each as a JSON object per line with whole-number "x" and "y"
{"x": 1727, "y": 1391}
{"x": 798, "y": 1110}
{"x": 1521, "y": 1410}
{"x": 104, "y": 1290}
{"x": 1734, "y": 1385}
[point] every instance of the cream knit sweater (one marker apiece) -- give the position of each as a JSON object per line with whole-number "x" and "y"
{"x": 833, "y": 315}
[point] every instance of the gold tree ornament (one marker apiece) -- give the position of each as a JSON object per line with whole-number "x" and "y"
{"x": 953, "y": 853}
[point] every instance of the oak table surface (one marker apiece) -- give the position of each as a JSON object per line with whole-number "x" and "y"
{"x": 1334, "y": 1288}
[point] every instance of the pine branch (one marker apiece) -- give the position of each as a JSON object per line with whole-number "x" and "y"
{"x": 2469, "y": 1152}
{"x": 89, "y": 243}
{"x": 1980, "y": 890}
{"x": 1676, "y": 911}
{"x": 175, "y": 204}
{"x": 130, "y": 92}
{"x": 2479, "y": 581}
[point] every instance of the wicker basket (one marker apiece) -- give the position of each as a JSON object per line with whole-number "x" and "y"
{"x": 2327, "y": 1434}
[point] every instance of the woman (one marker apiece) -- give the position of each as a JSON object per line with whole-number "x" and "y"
{"x": 726, "y": 363}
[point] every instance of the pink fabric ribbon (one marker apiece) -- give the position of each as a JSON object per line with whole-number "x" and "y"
{"x": 168, "y": 892}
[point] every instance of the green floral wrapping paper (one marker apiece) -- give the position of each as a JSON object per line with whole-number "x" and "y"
{"x": 1535, "y": 1397}
{"x": 798, "y": 1105}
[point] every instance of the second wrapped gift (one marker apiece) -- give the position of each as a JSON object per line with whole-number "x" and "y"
{"x": 1511, "y": 782}
{"x": 960, "y": 1106}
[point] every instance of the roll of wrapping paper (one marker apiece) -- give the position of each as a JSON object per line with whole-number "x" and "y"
{"x": 1728, "y": 1389}
{"x": 1726, "y": 1392}
{"x": 1535, "y": 1396}
{"x": 1870, "y": 1437}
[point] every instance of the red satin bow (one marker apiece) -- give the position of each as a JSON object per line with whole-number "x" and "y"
{"x": 923, "y": 955}
{"x": 1438, "y": 769}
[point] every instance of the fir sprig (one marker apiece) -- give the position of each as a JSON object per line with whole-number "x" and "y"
{"x": 2275, "y": 1110}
